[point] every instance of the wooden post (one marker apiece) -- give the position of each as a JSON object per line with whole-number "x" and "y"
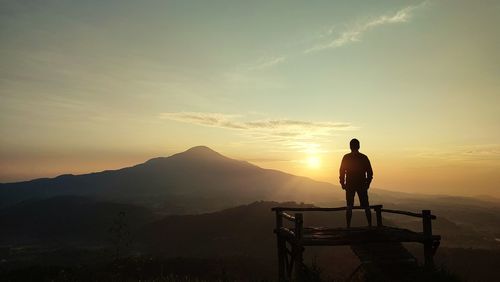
{"x": 427, "y": 230}
{"x": 281, "y": 246}
{"x": 378, "y": 210}
{"x": 299, "y": 249}
{"x": 299, "y": 222}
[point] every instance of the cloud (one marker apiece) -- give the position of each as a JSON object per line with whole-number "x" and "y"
{"x": 267, "y": 62}
{"x": 288, "y": 132}
{"x": 355, "y": 33}
{"x": 464, "y": 153}
{"x": 207, "y": 119}
{"x": 323, "y": 40}
{"x": 230, "y": 122}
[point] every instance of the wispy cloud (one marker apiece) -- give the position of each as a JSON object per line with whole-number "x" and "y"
{"x": 206, "y": 119}
{"x": 267, "y": 62}
{"x": 288, "y": 126}
{"x": 355, "y": 33}
{"x": 465, "y": 153}
{"x": 297, "y": 134}
{"x": 335, "y": 37}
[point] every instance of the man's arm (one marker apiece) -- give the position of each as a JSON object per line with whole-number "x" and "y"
{"x": 369, "y": 173}
{"x": 342, "y": 173}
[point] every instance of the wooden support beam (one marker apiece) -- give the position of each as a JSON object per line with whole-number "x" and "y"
{"x": 378, "y": 211}
{"x": 280, "y": 242}
{"x": 279, "y": 220}
{"x": 288, "y": 265}
{"x": 427, "y": 230}
{"x": 298, "y": 246}
{"x": 299, "y": 226}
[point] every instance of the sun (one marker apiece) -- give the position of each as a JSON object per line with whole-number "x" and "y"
{"x": 313, "y": 162}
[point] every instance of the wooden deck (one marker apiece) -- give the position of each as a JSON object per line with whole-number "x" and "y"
{"x": 324, "y": 236}
{"x": 380, "y": 245}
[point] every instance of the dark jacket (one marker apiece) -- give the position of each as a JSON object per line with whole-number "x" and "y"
{"x": 355, "y": 171}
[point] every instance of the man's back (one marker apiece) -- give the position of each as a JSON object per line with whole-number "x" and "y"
{"x": 355, "y": 170}
{"x": 356, "y": 174}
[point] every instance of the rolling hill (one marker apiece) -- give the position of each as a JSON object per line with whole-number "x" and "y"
{"x": 70, "y": 231}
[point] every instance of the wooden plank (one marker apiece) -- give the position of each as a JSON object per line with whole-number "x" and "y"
{"x": 344, "y": 241}
{"x": 342, "y": 236}
{"x": 286, "y": 232}
{"x": 355, "y": 230}
{"x": 287, "y": 216}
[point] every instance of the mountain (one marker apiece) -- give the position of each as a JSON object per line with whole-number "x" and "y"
{"x": 193, "y": 181}
{"x": 201, "y": 180}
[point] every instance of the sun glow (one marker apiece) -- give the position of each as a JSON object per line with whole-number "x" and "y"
{"x": 313, "y": 162}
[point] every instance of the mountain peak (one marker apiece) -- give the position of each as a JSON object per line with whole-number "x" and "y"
{"x": 201, "y": 149}
{"x": 198, "y": 153}
{"x": 201, "y": 152}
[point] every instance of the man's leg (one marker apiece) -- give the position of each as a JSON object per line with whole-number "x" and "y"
{"x": 363, "y": 200}
{"x": 349, "y": 197}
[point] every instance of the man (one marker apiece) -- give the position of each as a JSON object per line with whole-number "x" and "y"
{"x": 355, "y": 177}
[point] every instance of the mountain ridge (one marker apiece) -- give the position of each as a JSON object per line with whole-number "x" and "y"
{"x": 198, "y": 175}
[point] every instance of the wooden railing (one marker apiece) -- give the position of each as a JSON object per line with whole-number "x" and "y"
{"x": 425, "y": 214}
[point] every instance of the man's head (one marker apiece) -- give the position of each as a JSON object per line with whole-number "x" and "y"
{"x": 354, "y": 144}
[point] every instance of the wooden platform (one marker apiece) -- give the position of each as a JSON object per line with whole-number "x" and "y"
{"x": 379, "y": 246}
{"x": 324, "y": 236}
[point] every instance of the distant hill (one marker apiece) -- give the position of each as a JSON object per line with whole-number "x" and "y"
{"x": 49, "y": 229}
{"x": 58, "y": 229}
{"x": 201, "y": 180}
{"x": 196, "y": 180}
{"x": 65, "y": 221}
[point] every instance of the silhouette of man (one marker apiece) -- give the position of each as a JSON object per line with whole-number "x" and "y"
{"x": 356, "y": 174}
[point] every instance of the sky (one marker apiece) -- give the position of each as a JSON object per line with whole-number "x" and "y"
{"x": 92, "y": 85}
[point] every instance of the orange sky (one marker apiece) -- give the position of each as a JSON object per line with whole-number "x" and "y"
{"x": 87, "y": 86}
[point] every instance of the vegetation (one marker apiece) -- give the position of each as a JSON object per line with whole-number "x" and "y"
{"x": 141, "y": 268}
